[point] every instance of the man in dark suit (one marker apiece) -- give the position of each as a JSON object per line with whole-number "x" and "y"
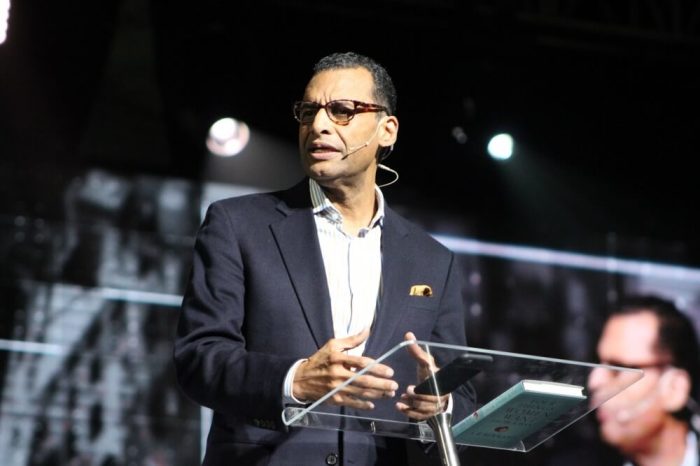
{"x": 292, "y": 292}
{"x": 649, "y": 423}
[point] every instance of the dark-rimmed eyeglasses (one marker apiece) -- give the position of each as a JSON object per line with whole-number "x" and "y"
{"x": 640, "y": 365}
{"x": 661, "y": 365}
{"x": 339, "y": 111}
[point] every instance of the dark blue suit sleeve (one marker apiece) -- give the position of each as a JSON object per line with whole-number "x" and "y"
{"x": 213, "y": 366}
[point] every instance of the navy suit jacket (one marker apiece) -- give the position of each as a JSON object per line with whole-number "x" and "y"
{"x": 257, "y": 300}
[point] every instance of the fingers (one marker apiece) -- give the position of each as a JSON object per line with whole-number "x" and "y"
{"x": 343, "y": 399}
{"x": 420, "y": 407}
{"x": 356, "y": 398}
{"x": 357, "y": 363}
{"x": 416, "y": 351}
{"x": 360, "y": 393}
{"x": 426, "y": 363}
{"x": 373, "y": 384}
{"x": 361, "y": 397}
{"x": 330, "y": 368}
{"x": 349, "y": 342}
{"x": 372, "y": 387}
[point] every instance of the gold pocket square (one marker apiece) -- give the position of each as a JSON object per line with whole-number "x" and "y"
{"x": 421, "y": 290}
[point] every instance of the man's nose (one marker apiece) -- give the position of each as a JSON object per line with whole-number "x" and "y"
{"x": 598, "y": 377}
{"x": 321, "y": 121}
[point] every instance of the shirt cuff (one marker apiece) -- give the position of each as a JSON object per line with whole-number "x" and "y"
{"x": 287, "y": 393}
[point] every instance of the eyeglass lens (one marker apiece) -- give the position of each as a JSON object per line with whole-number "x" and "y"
{"x": 339, "y": 111}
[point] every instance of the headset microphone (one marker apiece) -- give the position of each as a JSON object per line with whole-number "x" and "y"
{"x": 355, "y": 149}
{"x": 361, "y": 146}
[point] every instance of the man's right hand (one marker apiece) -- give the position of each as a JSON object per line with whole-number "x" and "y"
{"x": 330, "y": 366}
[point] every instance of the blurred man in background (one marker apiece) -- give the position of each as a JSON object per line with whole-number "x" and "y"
{"x": 649, "y": 423}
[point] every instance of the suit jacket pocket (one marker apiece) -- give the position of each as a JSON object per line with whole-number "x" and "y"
{"x": 424, "y": 303}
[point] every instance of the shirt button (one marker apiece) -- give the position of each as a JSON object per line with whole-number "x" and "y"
{"x": 331, "y": 459}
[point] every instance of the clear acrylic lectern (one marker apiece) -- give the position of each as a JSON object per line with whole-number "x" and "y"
{"x": 482, "y": 384}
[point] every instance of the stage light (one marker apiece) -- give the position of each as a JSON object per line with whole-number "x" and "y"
{"x": 4, "y": 19}
{"x": 228, "y": 137}
{"x": 500, "y": 146}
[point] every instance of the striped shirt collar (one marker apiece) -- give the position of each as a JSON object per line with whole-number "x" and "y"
{"x": 323, "y": 206}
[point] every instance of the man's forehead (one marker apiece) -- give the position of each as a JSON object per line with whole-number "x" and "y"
{"x": 628, "y": 336}
{"x": 341, "y": 83}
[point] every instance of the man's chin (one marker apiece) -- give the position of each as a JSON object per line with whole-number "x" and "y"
{"x": 325, "y": 177}
{"x": 614, "y": 434}
{"x": 320, "y": 171}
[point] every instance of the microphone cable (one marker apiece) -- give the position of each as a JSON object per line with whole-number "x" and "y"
{"x": 390, "y": 170}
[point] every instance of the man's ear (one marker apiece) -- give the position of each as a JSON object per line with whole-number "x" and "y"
{"x": 390, "y": 131}
{"x": 675, "y": 389}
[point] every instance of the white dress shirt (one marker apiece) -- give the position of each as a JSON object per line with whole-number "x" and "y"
{"x": 353, "y": 266}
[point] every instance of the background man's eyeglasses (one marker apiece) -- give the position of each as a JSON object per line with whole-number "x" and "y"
{"x": 661, "y": 366}
{"x": 339, "y": 111}
{"x": 643, "y": 365}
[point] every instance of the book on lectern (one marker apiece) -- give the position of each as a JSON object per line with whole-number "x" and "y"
{"x": 517, "y": 413}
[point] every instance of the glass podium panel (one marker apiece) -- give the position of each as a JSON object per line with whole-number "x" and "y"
{"x": 499, "y": 400}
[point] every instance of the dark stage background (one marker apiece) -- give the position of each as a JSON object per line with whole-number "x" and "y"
{"x": 104, "y": 109}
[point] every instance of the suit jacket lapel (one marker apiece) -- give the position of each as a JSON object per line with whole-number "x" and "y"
{"x": 395, "y": 262}
{"x": 297, "y": 240}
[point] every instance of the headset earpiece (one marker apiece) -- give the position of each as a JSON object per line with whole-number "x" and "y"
{"x": 390, "y": 127}
{"x": 384, "y": 152}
